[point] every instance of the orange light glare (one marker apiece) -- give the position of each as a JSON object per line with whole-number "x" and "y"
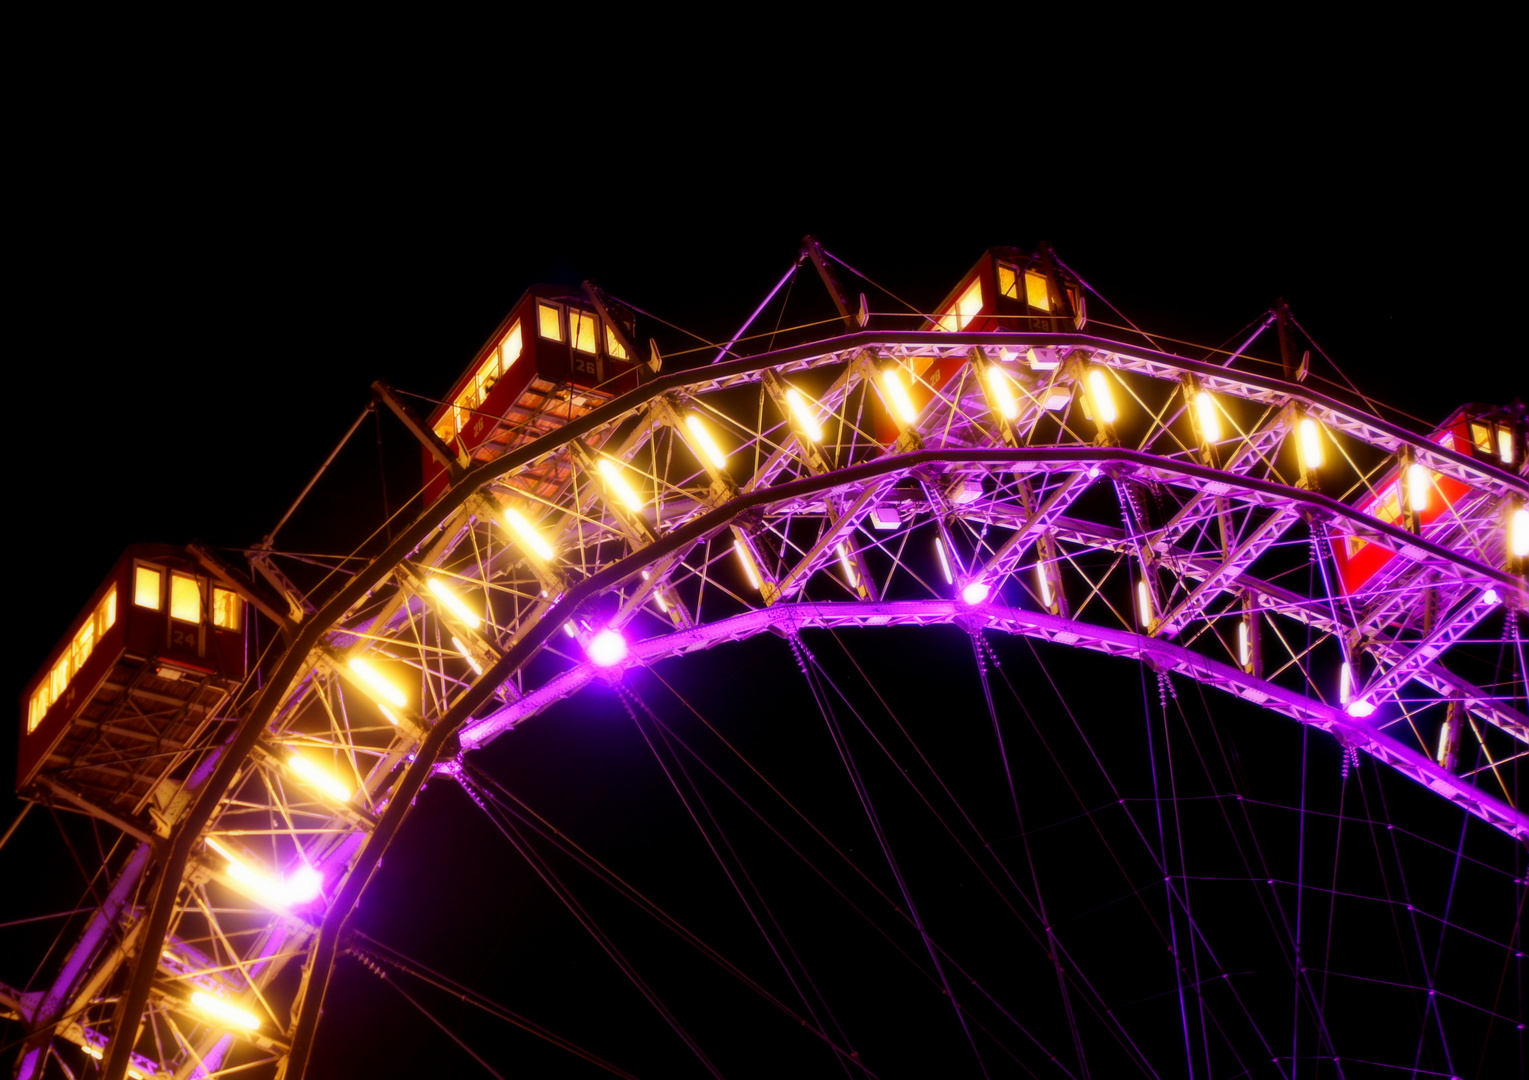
{"x": 1099, "y": 394}
{"x": 1210, "y": 416}
{"x": 1418, "y": 484}
{"x": 617, "y": 483}
{"x": 453, "y": 603}
{"x": 1003, "y": 392}
{"x": 703, "y": 437}
{"x": 1311, "y": 443}
{"x": 317, "y": 776}
{"x": 749, "y": 569}
{"x": 224, "y": 1010}
{"x": 374, "y": 679}
{"x": 801, "y": 412}
{"x": 902, "y": 404}
{"x": 529, "y": 538}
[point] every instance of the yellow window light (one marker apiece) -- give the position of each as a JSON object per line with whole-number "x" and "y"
{"x": 453, "y": 603}
{"x": 801, "y": 412}
{"x": 1210, "y": 416}
{"x": 376, "y": 681}
{"x": 1003, "y": 392}
{"x": 1311, "y": 443}
{"x": 617, "y": 483}
{"x": 1099, "y": 394}
{"x": 549, "y": 321}
{"x": 703, "y": 437}
{"x": 529, "y": 538}
{"x": 613, "y": 346}
{"x": 1419, "y": 481}
{"x": 749, "y": 569}
{"x": 1037, "y": 294}
{"x": 315, "y": 775}
{"x": 185, "y": 598}
{"x": 1505, "y": 444}
{"x": 902, "y": 404}
{"x": 1518, "y": 533}
{"x": 92, "y": 1050}
{"x": 226, "y": 1011}
{"x": 226, "y": 609}
{"x": 146, "y": 587}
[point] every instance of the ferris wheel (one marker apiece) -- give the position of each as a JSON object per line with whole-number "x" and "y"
{"x": 1017, "y": 585}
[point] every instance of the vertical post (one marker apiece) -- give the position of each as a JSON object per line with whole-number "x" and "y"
{"x": 1282, "y": 322}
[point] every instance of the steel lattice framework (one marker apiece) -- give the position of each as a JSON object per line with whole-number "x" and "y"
{"x": 1135, "y": 537}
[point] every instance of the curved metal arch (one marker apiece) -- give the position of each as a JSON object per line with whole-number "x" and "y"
{"x": 1159, "y": 654}
{"x": 439, "y": 739}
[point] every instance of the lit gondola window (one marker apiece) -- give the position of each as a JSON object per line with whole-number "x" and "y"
{"x": 613, "y": 347}
{"x": 106, "y": 612}
{"x": 1481, "y": 435}
{"x": 84, "y": 642}
{"x": 1037, "y": 293}
{"x": 1008, "y": 281}
{"x": 38, "y": 709}
{"x": 582, "y": 329}
{"x": 967, "y": 308}
{"x": 510, "y": 348}
{"x": 1505, "y": 444}
{"x": 549, "y": 321}
{"x": 226, "y": 609}
{"x": 59, "y": 678}
{"x": 146, "y": 587}
{"x": 185, "y": 598}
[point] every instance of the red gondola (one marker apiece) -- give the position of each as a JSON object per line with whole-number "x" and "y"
{"x": 126, "y": 696}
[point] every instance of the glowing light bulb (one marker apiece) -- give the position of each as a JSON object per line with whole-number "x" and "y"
{"x": 1418, "y": 483}
{"x": 1311, "y": 443}
{"x": 1210, "y": 416}
{"x": 376, "y": 681}
{"x": 472, "y": 661}
{"x": 703, "y": 437}
{"x": 317, "y": 776}
{"x": 272, "y": 890}
{"x": 607, "y": 648}
{"x": 939, "y": 547}
{"x": 388, "y": 713}
{"x": 1044, "y": 580}
{"x": 1360, "y": 708}
{"x": 975, "y": 592}
{"x": 1518, "y": 533}
{"x": 1099, "y": 393}
{"x": 453, "y": 603}
{"x": 92, "y": 1050}
{"x": 618, "y": 485}
{"x": 1244, "y": 645}
{"x": 848, "y": 566}
{"x": 902, "y": 404}
{"x": 1144, "y": 603}
{"x": 226, "y": 1011}
{"x": 1345, "y": 682}
{"x": 1003, "y": 392}
{"x": 749, "y": 569}
{"x": 1490, "y": 597}
{"x": 529, "y": 538}
{"x": 801, "y": 412}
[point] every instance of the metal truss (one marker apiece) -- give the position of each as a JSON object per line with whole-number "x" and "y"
{"x": 711, "y": 505}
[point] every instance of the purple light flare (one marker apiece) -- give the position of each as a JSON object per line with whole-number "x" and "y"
{"x": 607, "y": 648}
{"x": 975, "y": 592}
{"x": 1360, "y": 708}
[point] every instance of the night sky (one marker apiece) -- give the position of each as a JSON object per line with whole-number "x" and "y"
{"x": 204, "y": 306}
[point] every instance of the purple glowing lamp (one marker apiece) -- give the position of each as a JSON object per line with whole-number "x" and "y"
{"x": 607, "y": 648}
{"x": 975, "y": 592}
